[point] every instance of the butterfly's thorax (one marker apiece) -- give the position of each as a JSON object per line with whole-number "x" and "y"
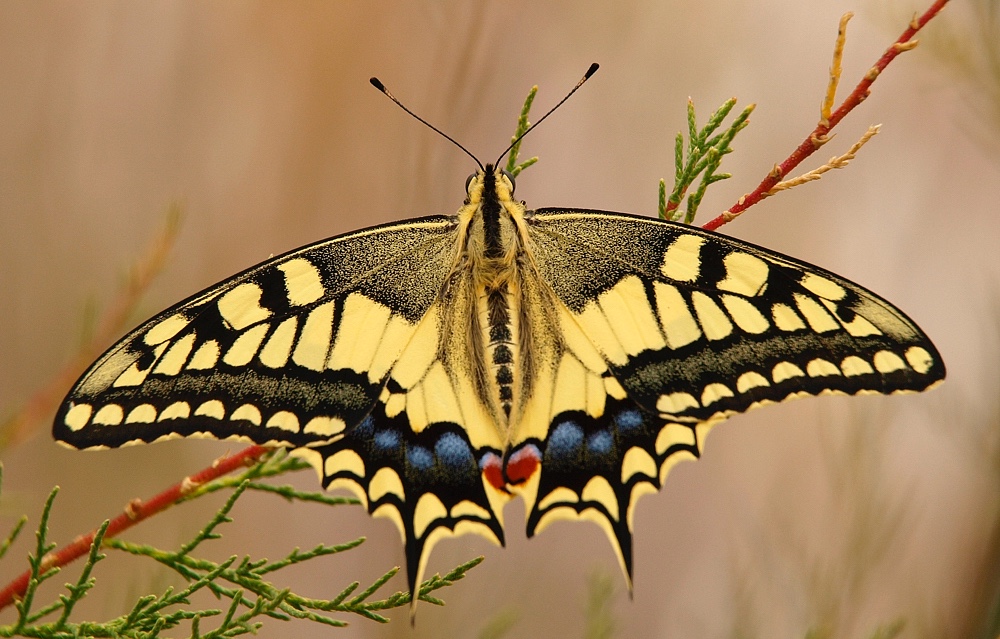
{"x": 494, "y": 252}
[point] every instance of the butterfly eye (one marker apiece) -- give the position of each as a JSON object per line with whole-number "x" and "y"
{"x": 510, "y": 178}
{"x": 468, "y": 181}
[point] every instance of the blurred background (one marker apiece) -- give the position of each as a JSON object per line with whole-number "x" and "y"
{"x": 831, "y": 516}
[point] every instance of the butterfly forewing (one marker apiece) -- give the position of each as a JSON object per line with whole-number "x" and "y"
{"x": 667, "y": 330}
{"x": 288, "y": 353}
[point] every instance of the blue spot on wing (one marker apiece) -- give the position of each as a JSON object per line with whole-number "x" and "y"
{"x": 564, "y": 440}
{"x": 600, "y": 442}
{"x": 453, "y": 451}
{"x": 628, "y": 420}
{"x": 419, "y": 457}
{"x": 364, "y": 428}
{"x": 388, "y": 439}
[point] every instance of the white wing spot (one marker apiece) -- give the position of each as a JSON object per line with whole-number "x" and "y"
{"x": 823, "y": 287}
{"x": 344, "y": 460}
{"x": 467, "y": 508}
{"x": 173, "y": 361}
{"x": 786, "y": 319}
{"x": 678, "y": 324}
{"x": 745, "y": 314}
{"x": 165, "y": 329}
{"x": 595, "y": 324}
{"x": 676, "y": 403}
{"x": 819, "y": 320}
{"x": 672, "y": 434}
{"x": 241, "y": 307}
{"x": 302, "y": 281}
{"x": 177, "y": 410}
{"x": 857, "y": 327}
{"x": 439, "y": 397}
{"x": 751, "y": 380}
{"x": 558, "y": 495}
{"x": 362, "y": 323}
{"x": 141, "y": 414}
{"x": 713, "y": 319}
{"x": 578, "y": 343}
{"x": 637, "y": 461}
{"x": 132, "y": 376}
{"x": 385, "y": 481}
{"x": 246, "y": 346}
{"x": 887, "y": 362}
{"x": 278, "y": 348}
{"x": 395, "y": 404}
{"x": 746, "y": 274}
{"x": 598, "y": 489}
{"x": 314, "y": 342}
{"x": 785, "y": 370}
{"x": 627, "y": 308}
{"x": 397, "y": 334}
{"x": 212, "y": 408}
{"x": 613, "y": 388}
{"x": 206, "y": 357}
{"x": 715, "y": 392}
{"x": 596, "y": 395}
{"x": 420, "y": 353}
{"x": 821, "y": 368}
{"x": 854, "y": 366}
{"x": 247, "y": 412}
{"x": 324, "y": 426}
{"x": 570, "y": 380}
{"x": 919, "y": 359}
{"x": 77, "y": 416}
{"x": 682, "y": 259}
{"x": 109, "y": 415}
{"x": 429, "y": 508}
{"x": 284, "y": 420}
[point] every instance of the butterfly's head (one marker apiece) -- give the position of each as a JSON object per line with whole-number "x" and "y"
{"x": 501, "y": 181}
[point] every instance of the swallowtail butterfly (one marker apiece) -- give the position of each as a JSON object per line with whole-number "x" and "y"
{"x": 440, "y": 366}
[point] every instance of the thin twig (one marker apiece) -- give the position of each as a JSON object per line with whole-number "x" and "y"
{"x": 820, "y": 134}
{"x": 837, "y": 162}
{"x": 135, "y": 512}
{"x": 41, "y": 405}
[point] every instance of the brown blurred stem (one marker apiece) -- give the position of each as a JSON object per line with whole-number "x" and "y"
{"x": 42, "y": 405}
{"x": 820, "y": 135}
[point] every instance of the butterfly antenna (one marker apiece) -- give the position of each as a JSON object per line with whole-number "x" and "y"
{"x": 586, "y": 76}
{"x": 381, "y": 87}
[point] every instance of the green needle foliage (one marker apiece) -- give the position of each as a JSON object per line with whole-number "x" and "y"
{"x": 705, "y": 150}
{"x": 243, "y": 583}
{"x": 522, "y": 126}
{"x": 704, "y": 156}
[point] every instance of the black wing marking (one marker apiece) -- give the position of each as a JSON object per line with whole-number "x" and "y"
{"x": 687, "y": 327}
{"x": 258, "y": 357}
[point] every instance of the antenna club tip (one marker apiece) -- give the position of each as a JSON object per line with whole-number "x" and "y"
{"x": 377, "y": 84}
{"x": 592, "y": 70}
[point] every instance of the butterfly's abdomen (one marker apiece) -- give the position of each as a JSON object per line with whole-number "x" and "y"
{"x": 496, "y": 288}
{"x": 501, "y": 347}
{"x": 494, "y": 251}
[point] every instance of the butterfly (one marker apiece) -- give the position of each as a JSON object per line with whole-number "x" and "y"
{"x": 439, "y": 367}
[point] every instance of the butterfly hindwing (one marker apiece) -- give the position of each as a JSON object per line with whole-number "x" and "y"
{"x": 419, "y": 458}
{"x": 685, "y": 328}
{"x": 336, "y": 351}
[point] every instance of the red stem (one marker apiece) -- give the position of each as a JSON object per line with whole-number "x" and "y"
{"x": 135, "y": 511}
{"x": 815, "y": 140}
